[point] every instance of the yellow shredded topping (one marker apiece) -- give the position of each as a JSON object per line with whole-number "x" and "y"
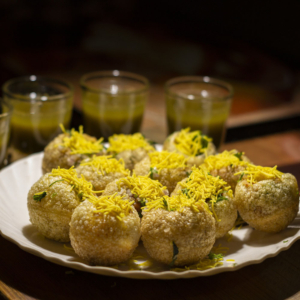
{"x": 121, "y": 142}
{"x": 114, "y": 205}
{"x": 78, "y": 143}
{"x": 106, "y": 164}
{"x": 175, "y": 203}
{"x": 255, "y": 174}
{"x": 224, "y": 159}
{"x": 143, "y": 187}
{"x": 191, "y": 143}
{"x": 167, "y": 160}
{"x": 204, "y": 187}
{"x": 80, "y": 185}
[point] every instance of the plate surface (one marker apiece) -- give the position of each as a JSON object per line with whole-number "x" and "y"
{"x": 246, "y": 247}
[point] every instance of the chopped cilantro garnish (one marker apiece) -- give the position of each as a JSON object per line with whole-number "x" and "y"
{"x": 80, "y": 195}
{"x": 241, "y": 177}
{"x": 152, "y": 172}
{"x": 39, "y": 196}
{"x": 175, "y": 254}
{"x": 185, "y": 191}
{"x": 212, "y": 256}
{"x": 239, "y": 155}
{"x": 286, "y": 241}
{"x": 204, "y": 142}
{"x": 221, "y": 198}
{"x": 56, "y": 181}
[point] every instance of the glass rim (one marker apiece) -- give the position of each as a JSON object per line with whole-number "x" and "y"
{"x": 9, "y": 106}
{"x": 203, "y": 79}
{"x": 33, "y": 78}
{"x": 114, "y": 73}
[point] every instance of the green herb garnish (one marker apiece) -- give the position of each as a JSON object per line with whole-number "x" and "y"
{"x": 56, "y": 181}
{"x": 239, "y": 155}
{"x": 39, "y": 196}
{"x": 241, "y": 177}
{"x": 175, "y": 254}
{"x": 186, "y": 192}
{"x": 213, "y": 256}
{"x": 152, "y": 172}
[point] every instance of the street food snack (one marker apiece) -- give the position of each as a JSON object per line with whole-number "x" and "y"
{"x": 52, "y": 200}
{"x": 267, "y": 199}
{"x": 166, "y": 167}
{"x": 202, "y": 186}
{"x": 193, "y": 145}
{"x": 177, "y": 230}
{"x": 140, "y": 189}
{"x": 69, "y": 148}
{"x": 132, "y": 148}
{"x": 105, "y": 230}
{"x": 101, "y": 170}
{"x": 227, "y": 165}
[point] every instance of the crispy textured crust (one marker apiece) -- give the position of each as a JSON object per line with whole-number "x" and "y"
{"x": 131, "y": 157}
{"x": 227, "y": 173}
{"x": 98, "y": 180}
{"x": 192, "y": 232}
{"x": 52, "y": 214}
{"x": 268, "y": 205}
{"x": 169, "y": 145}
{"x": 226, "y": 216}
{"x": 167, "y": 177}
{"x": 102, "y": 239}
{"x": 56, "y": 155}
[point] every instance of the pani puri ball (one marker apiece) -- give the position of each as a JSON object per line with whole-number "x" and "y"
{"x": 70, "y": 148}
{"x": 101, "y": 170}
{"x": 267, "y": 199}
{"x": 105, "y": 231}
{"x": 180, "y": 223}
{"x": 52, "y": 200}
{"x": 193, "y": 145}
{"x": 166, "y": 167}
{"x": 132, "y": 148}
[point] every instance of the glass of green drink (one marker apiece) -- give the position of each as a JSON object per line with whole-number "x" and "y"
{"x": 113, "y": 102}
{"x": 40, "y": 105}
{"x": 201, "y": 103}
{"x": 5, "y": 115}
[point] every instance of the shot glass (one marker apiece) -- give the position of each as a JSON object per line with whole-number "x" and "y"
{"x": 40, "y": 105}
{"x": 5, "y": 115}
{"x": 201, "y": 103}
{"x": 113, "y": 102}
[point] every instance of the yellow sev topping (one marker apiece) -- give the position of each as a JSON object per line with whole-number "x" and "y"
{"x": 204, "y": 187}
{"x": 113, "y": 205}
{"x": 175, "y": 203}
{"x": 257, "y": 173}
{"x": 79, "y": 144}
{"x": 224, "y": 159}
{"x": 80, "y": 185}
{"x": 106, "y": 164}
{"x": 143, "y": 187}
{"x": 121, "y": 142}
{"x": 191, "y": 143}
{"x": 167, "y": 160}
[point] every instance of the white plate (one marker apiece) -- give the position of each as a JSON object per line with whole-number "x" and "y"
{"x": 246, "y": 247}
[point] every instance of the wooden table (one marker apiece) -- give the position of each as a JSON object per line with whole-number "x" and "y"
{"x": 25, "y": 276}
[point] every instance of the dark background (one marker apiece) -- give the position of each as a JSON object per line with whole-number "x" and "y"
{"x": 253, "y": 44}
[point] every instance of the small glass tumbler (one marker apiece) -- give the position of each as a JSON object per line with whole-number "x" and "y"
{"x": 113, "y": 102}
{"x": 201, "y": 103}
{"x": 40, "y": 105}
{"x": 5, "y": 115}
